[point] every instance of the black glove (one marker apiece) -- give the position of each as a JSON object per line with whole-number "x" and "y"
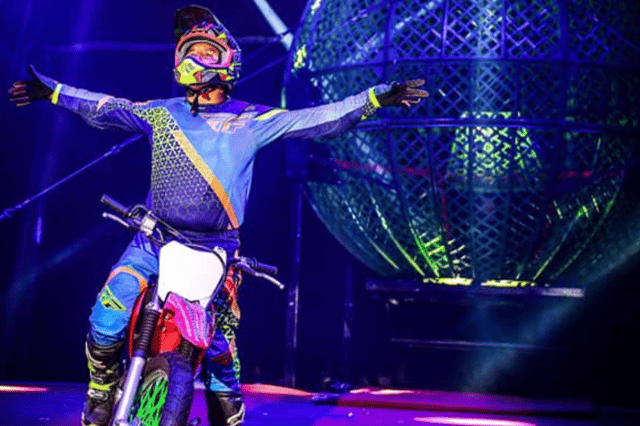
{"x": 404, "y": 94}
{"x": 23, "y": 92}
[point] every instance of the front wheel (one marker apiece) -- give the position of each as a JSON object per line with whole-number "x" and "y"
{"x": 165, "y": 392}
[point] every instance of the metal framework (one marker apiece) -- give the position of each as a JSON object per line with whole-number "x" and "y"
{"x": 511, "y": 172}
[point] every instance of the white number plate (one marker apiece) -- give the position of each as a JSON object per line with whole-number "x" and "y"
{"x": 192, "y": 274}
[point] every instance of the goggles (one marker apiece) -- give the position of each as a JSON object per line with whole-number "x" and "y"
{"x": 222, "y": 58}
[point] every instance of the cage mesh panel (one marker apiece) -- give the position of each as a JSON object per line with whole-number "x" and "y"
{"x": 336, "y": 84}
{"x": 416, "y": 180}
{"x": 366, "y": 157}
{"x": 594, "y": 42}
{"x": 589, "y": 177}
{"x": 489, "y": 219}
{"x": 452, "y": 84}
{"x": 533, "y": 29}
{"x": 446, "y": 188}
{"x": 364, "y": 43}
{"x": 540, "y": 90}
{"x": 512, "y": 167}
{"x": 589, "y": 264}
{"x": 399, "y": 232}
{"x": 624, "y": 96}
{"x": 582, "y": 105}
{"x": 349, "y": 226}
{"x": 474, "y": 28}
{"x": 416, "y": 30}
{"x": 524, "y": 209}
{"x": 493, "y": 87}
{"x": 590, "y": 204}
{"x": 628, "y": 13}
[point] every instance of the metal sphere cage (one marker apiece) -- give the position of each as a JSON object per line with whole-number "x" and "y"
{"x": 510, "y": 173}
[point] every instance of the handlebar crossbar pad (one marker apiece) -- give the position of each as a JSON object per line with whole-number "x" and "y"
{"x": 114, "y": 205}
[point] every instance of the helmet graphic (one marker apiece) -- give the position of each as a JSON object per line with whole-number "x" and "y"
{"x": 195, "y": 24}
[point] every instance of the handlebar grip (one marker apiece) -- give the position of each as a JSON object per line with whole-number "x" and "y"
{"x": 267, "y": 269}
{"x": 114, "y": 205}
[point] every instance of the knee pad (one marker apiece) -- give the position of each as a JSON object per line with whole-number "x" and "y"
{"x": 110, "y": 314}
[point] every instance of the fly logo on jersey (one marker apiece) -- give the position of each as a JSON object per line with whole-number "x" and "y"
{"x": 226, "y": 123}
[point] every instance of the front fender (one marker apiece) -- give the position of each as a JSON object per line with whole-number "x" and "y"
{"x": 191, "y": 319}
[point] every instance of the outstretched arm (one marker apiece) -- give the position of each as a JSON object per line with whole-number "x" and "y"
{"x": 334, "y": 118}
{"x": 97, "y": 109}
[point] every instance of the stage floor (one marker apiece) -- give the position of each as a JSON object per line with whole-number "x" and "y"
{"x": 57, "y": 404}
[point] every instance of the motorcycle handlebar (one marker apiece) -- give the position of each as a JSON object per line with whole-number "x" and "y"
{"x": 114, "y": 205}
{"x": 128, "y": 219}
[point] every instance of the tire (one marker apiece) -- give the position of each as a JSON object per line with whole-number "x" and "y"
{"x": 165, "y": 392}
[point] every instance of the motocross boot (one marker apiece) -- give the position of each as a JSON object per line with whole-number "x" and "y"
{"x": 104, "y": 371}
{"x": 225, "y": 408}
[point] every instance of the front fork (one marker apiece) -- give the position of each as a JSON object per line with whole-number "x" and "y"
{"x": 150, "y": 317}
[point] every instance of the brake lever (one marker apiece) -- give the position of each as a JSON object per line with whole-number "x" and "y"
{"x": 270, "y": 279}
{"x": 117, "y": 219}
{"x": 249, "y": 270}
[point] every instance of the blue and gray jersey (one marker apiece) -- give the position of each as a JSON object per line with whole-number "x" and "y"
{"x": 202, "y": 165}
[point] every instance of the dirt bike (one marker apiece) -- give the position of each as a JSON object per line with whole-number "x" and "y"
{"x": 170, "y": 330}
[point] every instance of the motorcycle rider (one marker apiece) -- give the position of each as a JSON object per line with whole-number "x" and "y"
{"x": 203, "y": 147}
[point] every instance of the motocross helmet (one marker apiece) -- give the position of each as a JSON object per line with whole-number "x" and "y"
{"x": 195, "y": 24}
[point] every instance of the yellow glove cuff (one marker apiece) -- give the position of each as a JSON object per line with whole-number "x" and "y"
{"x": 373, "y": 99}
{"x": 56, "y": 93}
